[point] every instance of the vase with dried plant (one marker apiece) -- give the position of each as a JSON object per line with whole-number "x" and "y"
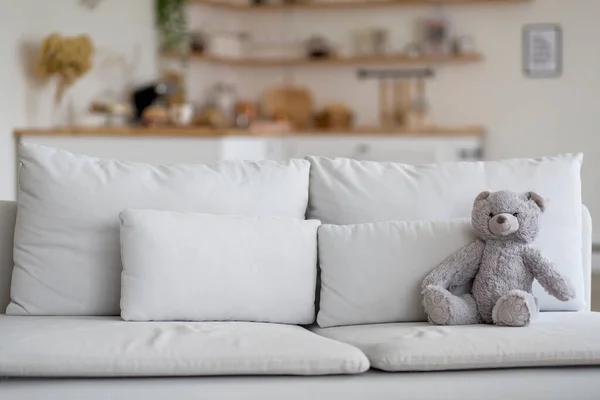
{"x": 67, "y": 58}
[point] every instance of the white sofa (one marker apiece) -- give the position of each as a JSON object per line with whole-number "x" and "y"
{"x": 98, "y": 357}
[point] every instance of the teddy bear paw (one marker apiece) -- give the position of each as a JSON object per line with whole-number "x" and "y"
{"x": 513, "y": 310}
{"x": 436, "y": 305}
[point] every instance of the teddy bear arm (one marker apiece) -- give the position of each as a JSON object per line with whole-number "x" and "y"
{"x": 458, "y": 269}
{"x": 547, "y": 275}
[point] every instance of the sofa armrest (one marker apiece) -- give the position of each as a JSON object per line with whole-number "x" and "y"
{"x": 8, "y": 215}
{"x": 587, "y": 256}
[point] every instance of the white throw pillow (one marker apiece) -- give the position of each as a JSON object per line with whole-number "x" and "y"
{"x": 200, "y": 267}
{"x": 372, "y": 273}
{"x": 344, "y": 191}
{"x": 67, "y": 256}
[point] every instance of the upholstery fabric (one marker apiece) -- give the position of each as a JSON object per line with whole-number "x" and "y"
{"x": 67, "y": 256}
{"x": 553, "y": 339}
{"x": 372, "y": 273}
{"x": 8, "y": 215}
{"x": 344, "y": 191}
{"x": 572, "y": 383}
{"x": 202, "y": 267}
{"x": 110, "y": 347}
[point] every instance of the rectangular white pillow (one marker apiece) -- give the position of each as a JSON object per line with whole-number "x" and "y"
{"x": 201, "y": 267}
{"x": 66, "y": 253}
{"x": 372, "y": 273}
{"x": 344, "y": 191}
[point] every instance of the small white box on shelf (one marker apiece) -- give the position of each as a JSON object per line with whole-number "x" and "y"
{"x": 228, "y": 45}
{"x": 273, "y": 47}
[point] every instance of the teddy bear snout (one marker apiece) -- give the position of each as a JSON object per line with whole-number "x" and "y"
{"x": 504, "y": 224}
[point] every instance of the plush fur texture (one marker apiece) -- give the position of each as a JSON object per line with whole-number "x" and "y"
{"x": 501, "y": 265}
{"x": 516, "y": 308}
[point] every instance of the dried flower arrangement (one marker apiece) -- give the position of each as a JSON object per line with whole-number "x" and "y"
{"x": 69, "y": 58}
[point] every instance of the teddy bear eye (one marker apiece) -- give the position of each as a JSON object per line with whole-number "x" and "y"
{"x": 491, "y": 215}
{"x": 515, "y": 214}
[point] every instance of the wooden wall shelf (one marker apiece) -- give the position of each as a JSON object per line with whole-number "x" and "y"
{"x": 169, "y": 131}
{"x": 343, "y": 4}
{"x": 341, "y": 61}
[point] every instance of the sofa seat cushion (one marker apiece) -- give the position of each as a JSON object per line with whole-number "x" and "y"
{"x": 110, "y": 347}
{"x": 554, "y": 339}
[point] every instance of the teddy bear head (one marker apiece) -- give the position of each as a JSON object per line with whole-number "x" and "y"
{"x": 507, "y": 216}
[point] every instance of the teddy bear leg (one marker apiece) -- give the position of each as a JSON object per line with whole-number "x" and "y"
{"x": 515, "y": 308}
{"x": 444, "y": 308}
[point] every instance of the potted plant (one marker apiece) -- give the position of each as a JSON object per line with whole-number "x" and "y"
{"x": 171, "y": 23}
{"x": 172, "y": 27}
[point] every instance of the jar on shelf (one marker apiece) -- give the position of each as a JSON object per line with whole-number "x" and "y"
{"x": 223, "y": 98}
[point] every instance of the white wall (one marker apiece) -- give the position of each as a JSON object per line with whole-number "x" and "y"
{"x": 524, "y": 117}
{"x": 117, "y": 27}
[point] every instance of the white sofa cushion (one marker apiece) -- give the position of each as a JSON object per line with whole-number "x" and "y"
{"x": 344, "y": 191}
{"x": 67, "y": 258}
{"x": 201, "y": 267}
{"x": 372, "y": 273}
{"x": 554, "y": 339}
{"x": 110, "y": 347}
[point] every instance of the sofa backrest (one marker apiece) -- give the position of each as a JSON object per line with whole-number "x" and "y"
{"x": 77, "y": 199}
{"x": 8, "y": 212}
{"x": 8, "y": 215}
{"x": 346, "y": 191}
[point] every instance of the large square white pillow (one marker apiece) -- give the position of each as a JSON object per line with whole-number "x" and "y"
{"x": 200, "y": 267}
{"x": 66, "y": 249}
{"x": 372, "y": 273}
{"x": 344, "y": 191}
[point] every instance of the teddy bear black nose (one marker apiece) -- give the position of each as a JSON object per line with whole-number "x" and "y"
{"x": 501, "y": 219}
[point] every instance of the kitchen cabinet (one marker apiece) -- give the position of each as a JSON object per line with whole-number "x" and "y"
{"x": 419, "y": 148}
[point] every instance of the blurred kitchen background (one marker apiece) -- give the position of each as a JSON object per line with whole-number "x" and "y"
{"x": 195, "y": 81}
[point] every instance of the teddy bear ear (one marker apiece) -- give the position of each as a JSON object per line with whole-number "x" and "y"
{"x": 537, "y": 199}
{"x": 482, "y": 196}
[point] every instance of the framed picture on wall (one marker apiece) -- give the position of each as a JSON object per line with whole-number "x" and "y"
{"x": 435, "y": 36}
{"x": 542, "y": 50}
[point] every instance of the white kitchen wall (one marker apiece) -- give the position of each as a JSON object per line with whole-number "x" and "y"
{"x": 524, "y": 117}
{"x": 120, "y": 29}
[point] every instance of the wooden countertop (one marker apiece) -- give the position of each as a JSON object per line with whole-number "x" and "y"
{"x": 170, "y": 131}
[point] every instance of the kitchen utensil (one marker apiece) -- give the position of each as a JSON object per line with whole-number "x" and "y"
{"x": 294, "y": 104}
{"x": 181, "y": 114}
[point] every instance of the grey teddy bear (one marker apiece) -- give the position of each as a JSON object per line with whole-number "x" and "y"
{"x": 501, "y": 264}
